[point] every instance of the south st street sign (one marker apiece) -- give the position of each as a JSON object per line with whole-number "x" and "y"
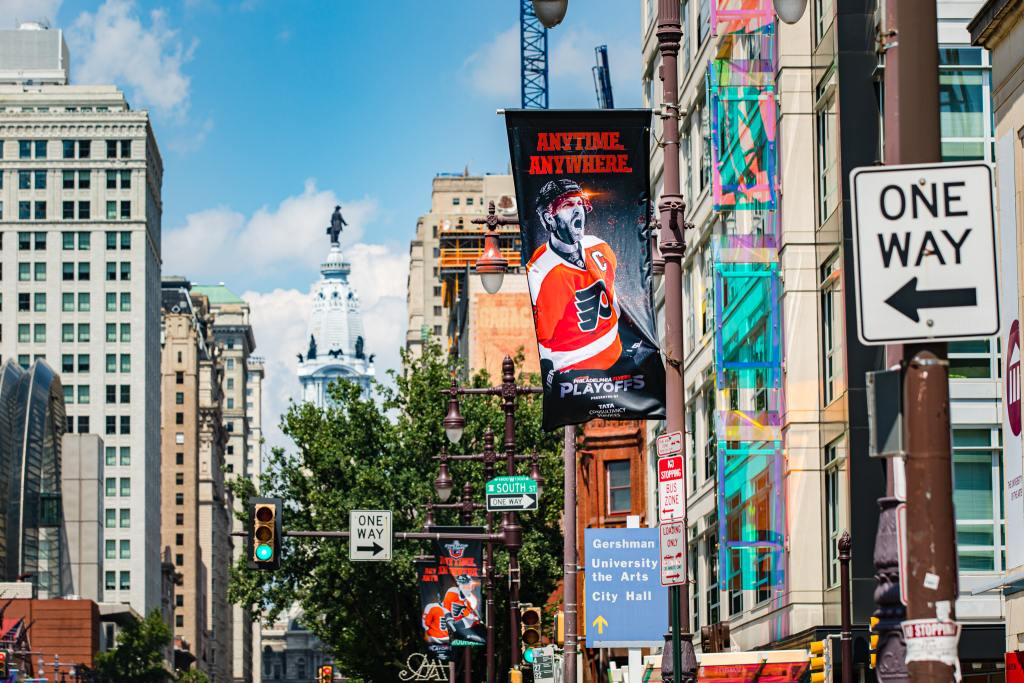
{"x": 925, "y": 251}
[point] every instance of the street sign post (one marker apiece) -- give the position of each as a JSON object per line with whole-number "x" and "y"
{"x": 370, "y": 537}
{"x": 507, "y": 494}
{"x": 670, "y": 444}
{"x": 673, "y": 553}
{"x": 626, "y": 605}
{"x": 670, "y": 488}
{"x": 925, "y": 253}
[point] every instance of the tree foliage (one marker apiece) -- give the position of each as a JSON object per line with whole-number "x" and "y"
{"x": 362, "y": 453}
{"x": 139, "y": 655}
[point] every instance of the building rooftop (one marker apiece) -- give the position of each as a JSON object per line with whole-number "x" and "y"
{"x": 218, "y": 294}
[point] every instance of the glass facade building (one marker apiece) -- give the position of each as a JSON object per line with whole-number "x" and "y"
{"x": 33, "y": 542}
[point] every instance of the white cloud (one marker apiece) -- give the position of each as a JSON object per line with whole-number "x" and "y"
{"x": 113, "y": 45}
{"x": 13, "y": 12}
{"x": 280, "y": 321}
{"x": 493, "y": 70}
{"x": 222, "y": 244}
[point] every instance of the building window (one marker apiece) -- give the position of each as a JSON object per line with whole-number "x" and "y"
{"x": 126, "y": 581}
{"x": 179, "y": 418}
{"x": 110, "y": 456}
{"x": 179, "y": 619}
{"x": 179, "y": 398}
{"x": 84, "y": 301}
{"x": 110, "y": 584}
{"x": 179, "y": 459}
{"x": 710, "y": 435}
{"x": 179, "y": 519}
{"x": 618, "y": 486}
{"x": 111, "y": 427}
{"x": 972, "y": 359}
{"x": 179, "y": 498}
{"x": 126, "y": 424}
{"x": 110, "y": 549}
{"x": 179, "y": 479}
{"x": 126, "y": 456}
{"x": 111, "y": 518}
{"x": 711, "y": 596}
{"x": 126, "y": 518}
{"x": 126, "y": 549}
{"x": 965, "y": 104}
{"x": 834, "y": 457}
{"x": 831, "y": 329}
{"x": 977, "y": 499}
{"x": 703, "y": 21}
{"x": 83, "y": 393}
{"x": 827, "y": 152}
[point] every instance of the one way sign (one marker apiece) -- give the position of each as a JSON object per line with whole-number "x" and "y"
{"x": 369, "y": 535}
{"x": 925, "y": 252}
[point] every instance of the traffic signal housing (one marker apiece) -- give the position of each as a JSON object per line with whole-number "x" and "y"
{"x": 559, "y": 628}
{"x": 265, "y": 534}
{"x": 529, "y": 631}
{"x": 4, "y": 664}
{"x": 873, "y": 642}
{"x": 821, "y": 661}
{"x": 326, "y": 673}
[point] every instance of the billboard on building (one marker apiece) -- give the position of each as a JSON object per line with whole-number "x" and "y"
{"x": 584, "y": 206}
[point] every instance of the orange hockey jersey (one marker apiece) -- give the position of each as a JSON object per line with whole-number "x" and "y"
{"x": 574, "y": 309}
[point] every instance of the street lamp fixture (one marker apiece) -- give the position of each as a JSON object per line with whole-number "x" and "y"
{"x": 790, "y": 11}
{"x": 550, "y": 12}
{"x": 535, "y": 472}
{"x": 443, "y": 485}
{"x": 454, "y": 423}
{"x": 491, "y": 265}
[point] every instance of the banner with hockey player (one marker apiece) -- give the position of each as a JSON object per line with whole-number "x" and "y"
{"x": 451, "y": 595}
{"x": 582, "y": 189}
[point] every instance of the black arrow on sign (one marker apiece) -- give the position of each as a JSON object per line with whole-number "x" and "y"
{"x": 908, "y": 299}
{"x": 375, "y": 548}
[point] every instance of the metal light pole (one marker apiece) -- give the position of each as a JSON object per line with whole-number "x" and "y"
{"x": 912, "y": 135}
{"x": 678, "y": 659}
{"x": 569, "y": 554}
{"x": 846, "y": 632}
{"x": 511, "y": 532}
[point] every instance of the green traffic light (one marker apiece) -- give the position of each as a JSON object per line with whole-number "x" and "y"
{"x": 264, "y": 552}
{"x": 528, "y": 655}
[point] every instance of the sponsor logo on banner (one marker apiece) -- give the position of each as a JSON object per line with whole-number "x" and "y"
{"x": 582, "y": 190}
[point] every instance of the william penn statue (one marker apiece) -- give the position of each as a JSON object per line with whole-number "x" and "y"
{"x": 337, "y": 224}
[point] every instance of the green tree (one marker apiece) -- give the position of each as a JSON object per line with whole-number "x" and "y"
{"x": 362, "y": 453}
{"x": 193, "y": 676}
{"x": 139, "y": 655}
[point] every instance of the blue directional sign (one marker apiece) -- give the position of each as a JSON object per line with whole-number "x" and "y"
{"x": 626, "y": 605}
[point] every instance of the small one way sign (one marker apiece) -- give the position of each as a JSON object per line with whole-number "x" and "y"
{"x": 925, "y": 252}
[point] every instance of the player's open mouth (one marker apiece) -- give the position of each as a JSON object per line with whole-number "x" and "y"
{"x": 577, "y": 223}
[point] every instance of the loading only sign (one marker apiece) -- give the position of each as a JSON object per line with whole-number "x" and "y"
{"x": 925, "y": 252}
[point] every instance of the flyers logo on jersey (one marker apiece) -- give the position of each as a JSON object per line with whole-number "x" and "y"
{"x": 592, "y": 305}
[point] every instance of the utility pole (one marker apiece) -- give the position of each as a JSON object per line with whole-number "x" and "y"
{"x": 912, "y": 136}
{"x": 569, "y": 552}
{"x": 678, "y": 659}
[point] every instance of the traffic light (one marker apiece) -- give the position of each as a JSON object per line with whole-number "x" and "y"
{"x": 821, "y": 661}
{"x": 4, "y": 664}
{"x": 529, "y": 631}
{"x": 515, "y": 676}
{"x": 559, "y": 630}
{"x": 265, "y": 533}
{"x": 873, "y": 642}
{"x": 325, "y": 673}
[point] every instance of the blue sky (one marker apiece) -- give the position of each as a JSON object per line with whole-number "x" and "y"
{"x": 267, "y": 112}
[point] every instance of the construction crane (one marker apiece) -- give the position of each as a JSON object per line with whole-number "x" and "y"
{"x": 533, "y": 58}
{"x": 603, "y": 79}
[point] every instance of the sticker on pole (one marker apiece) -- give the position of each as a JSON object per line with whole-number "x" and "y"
{"x": 670, "y": 488}
{"x": 925, "y": 252}
{"x": 673, "y": 553}
{"x": 931, "y": 640}
{"x": 670, "y": 444}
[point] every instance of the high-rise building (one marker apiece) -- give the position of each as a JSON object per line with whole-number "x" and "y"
{"x": 768, "y": 499}
{"x": 196, "y": 506}
{"x": 445, "y": 298}
{"x": 232, "y": 330}
{"x": 80, "y": 210}
{"x": 336, "y": 348}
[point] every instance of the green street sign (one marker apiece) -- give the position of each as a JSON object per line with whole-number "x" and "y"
{"x": 505, "y": 494}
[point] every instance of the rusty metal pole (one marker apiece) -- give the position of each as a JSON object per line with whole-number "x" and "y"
{"x": 912, "y": 135}
{"x": 931, "y": 535}
{"x": 510, "y": 525}
{"x": 678, "y": 645}
{"x": 489, "y": 458}
{"x": 569, "y": 553}
{"x": 846, "y": 628}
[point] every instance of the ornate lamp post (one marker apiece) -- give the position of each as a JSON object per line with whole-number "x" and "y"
{"x": 512, "y": 533}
